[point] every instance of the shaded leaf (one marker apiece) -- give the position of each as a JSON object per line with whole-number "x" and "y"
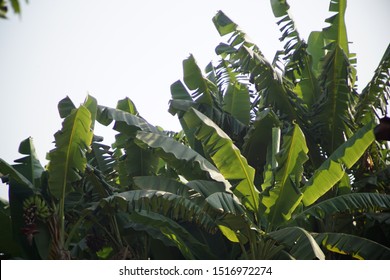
{"x": 226, "y": 156}
{"x": 185, "y": 160}
{"x": 332, "y": 170}
{"x": 347, "y": 203}
{"x": 357, "y": 247}
{"x": 298, "y": 242}
{"x": 284, "y": 196}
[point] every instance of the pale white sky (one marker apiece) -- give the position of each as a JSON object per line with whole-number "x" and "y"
{"x": 113, "y": 49}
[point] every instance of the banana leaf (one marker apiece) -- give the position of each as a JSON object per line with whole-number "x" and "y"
{"x": 298, "y": 242}
{"x": 355, "y": 246}
{"x": 259, "y": 138}
{"x": 281, "y": 199}
{"x": 347, "y": 203}
{"x": 376, "y": 93}
{"x": 7, "y": 171}
{"x": 170, "y": 185}
{"x": 204, "y": 90}
{"x": 227, "y": 158}
{"x": 170, "y": 205}
{"x": 185, "y": 160}
{"x": 332, "y": 170}
{"x": 125, "y": 122}
{"x": 170, "y": 233}
{"x": 68, "y": 159}
{"x": 332, "y": 114}
{"x": 247, "y": 59}
{"x": 127, "y": 105}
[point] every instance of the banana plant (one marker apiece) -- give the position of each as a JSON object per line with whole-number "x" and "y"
{"x": 275, "y": 161}
{"x": 308, "y": 139}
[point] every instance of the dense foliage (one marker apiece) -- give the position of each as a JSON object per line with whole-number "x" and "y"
{"x": 275, "y": 161}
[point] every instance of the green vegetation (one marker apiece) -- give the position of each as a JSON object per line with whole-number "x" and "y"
{"x": 4, "y": 7}
{"x": 275, "y": 161}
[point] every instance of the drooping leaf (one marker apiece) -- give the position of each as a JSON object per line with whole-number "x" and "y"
{"x": 102, "y": 157}
{"x": 247, "y": 59}
{"x": 67, "y": 159}
{"x": 355, "y": 246}
{"x": 225, "y": 203}
{"x": 185, "y": 160}
{"x": 170, "y": 232}
{"x": 377, "y": 92}
{"x": 173, "y": 206}
{"x": 124, "y": 122}
{"x": 226, "y": 156}
{"x": 7, "y": 171}
{"x": 160, "y": 183}
{"x": 332, "y": 170}
{"x": 298, "y": 242}
{"x": 194, "y": 80}
{"x": 65, "y": 107}
{"x": 233, "y": 90}
{"x": 347, "y": 203}
{"x": 206, "y": 187}
{"x": 135, "y": 161}
{"x": 29, "y": 165}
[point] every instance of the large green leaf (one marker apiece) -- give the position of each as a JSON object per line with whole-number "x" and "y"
{"x": 227, "y": 157}
{"x": 295, "y": 56}
{"x": 347, "y": 203}
{"x": 333, "y": 119}
{"x": 67, "y": 159}
{"x": 8, "y": 246}
{"x": 357, "y": 247}
{"x": 204, "y": 90}
{"x": 131, "y": 159}
{"x": 125, "y": 122}
{"x": 298, "y": 242}
{"x": 127, "y": 105}
{"x": 26, "y": 170}
{"x": 185, "y": 160}
{"x": 233, "y": 90}
{"x": 171, "y": 205}
{"x": 229, "y": 107}
{"x": 337, "y": 30}
{"x": 237, "y": 103}
{"x": 377, "y": 92}
{"x": 160, "y": 183}
{"x": 207, "y": 188}
{"x": 259, "y": 138}
{"x": 9, "y": 171}
{"x": 29, "y": 166}
{"x": 135, "y": 161}
{"x": 65, "y": 107}
{"x": 315, "y": 47}
{"x": 332, "y": 170}
{"x": 284, "y": 196}
{"x": 170, "y": 232}
{"x": 246, "y": 58}
{"x": 101, "y": 156}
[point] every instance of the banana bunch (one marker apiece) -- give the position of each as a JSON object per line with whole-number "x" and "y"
{"x": 36, "y": 202}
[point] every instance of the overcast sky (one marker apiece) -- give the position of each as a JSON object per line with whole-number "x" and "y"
{"x": 113, "y": 49}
